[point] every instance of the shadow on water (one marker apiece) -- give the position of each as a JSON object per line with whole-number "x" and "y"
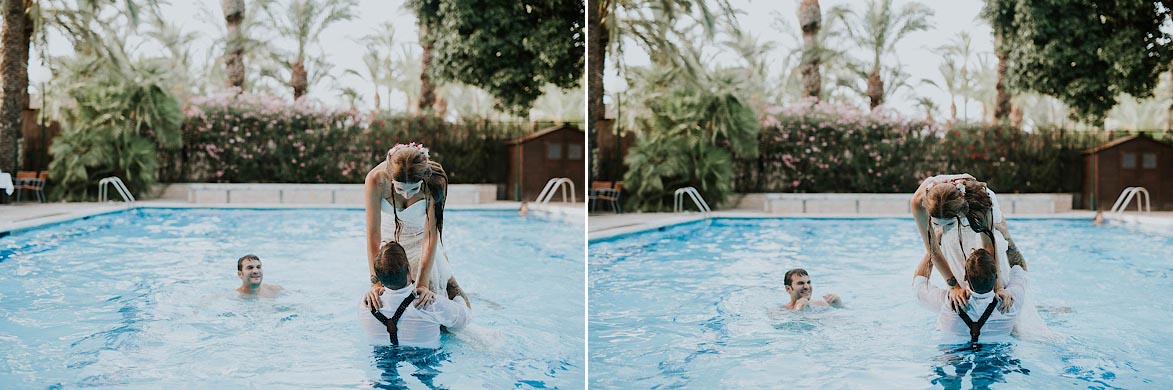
{"x": 985, "y": 364}
{"x": 389, "y": 359}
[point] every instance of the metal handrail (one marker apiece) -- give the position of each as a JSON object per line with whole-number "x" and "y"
{"x": 552, "y": 186}
{"x": 1125, "y": 199}
{"x": 118, "y": 186}
{"x": 678, "y": 200}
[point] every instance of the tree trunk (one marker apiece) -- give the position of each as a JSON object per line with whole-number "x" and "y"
{"x": 427, "y": 90}
{"x": 875, "y": 88}
{"x": 13, "y": 71}
{"x": 298, "y": 79}
{"x": 26, "y": 42}
{"x": 810, "y": 17}
{"x": 599, "y": 37}
{"x": 1002, "y": 103}
{"x": 234, "y": 49}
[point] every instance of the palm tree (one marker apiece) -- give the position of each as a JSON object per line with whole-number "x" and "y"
{"x": 426, "y": 15}
{"x": 352, "y": 96}
{"x": 951, "y": 78}
{"x": 14, "y": 69}
{"x": 375, "y": 66}
{"x": 304, "y": 21}
{"x": 234, "y": 50}
{"x": 650, "y": 23}
{"x": 878, "y": 30}
{"x": 810, "y": 18}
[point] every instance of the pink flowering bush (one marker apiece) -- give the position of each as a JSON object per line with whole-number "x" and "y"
{"x": 251, "y": 138}
{"x": 820, "y": 147}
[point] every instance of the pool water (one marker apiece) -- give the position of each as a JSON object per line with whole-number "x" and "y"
{"x": 143, "y": 299}
{"x": 694, "y": 306}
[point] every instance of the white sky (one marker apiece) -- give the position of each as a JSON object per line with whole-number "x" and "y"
{"x": 916, "y": 51}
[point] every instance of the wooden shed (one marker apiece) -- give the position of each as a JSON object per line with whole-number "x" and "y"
{"x": 1128, "y": 162}
{"x": 536, "y": 158}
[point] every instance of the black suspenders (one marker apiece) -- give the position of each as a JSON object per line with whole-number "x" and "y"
{"x": 975, "y": 328}
{"x": 392, "y": 323}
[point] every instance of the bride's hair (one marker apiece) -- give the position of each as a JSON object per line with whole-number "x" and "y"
{"x": 979, "y": 203}
{"x": 410, "y": 164}
{"x": 945, "y": 201}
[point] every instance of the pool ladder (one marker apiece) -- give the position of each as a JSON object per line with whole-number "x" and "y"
{"x": 678, "y": 200}
{"x": 118, "y": 186}
{"x": 552, "y": 186}
{"x": 1125, "y": 199}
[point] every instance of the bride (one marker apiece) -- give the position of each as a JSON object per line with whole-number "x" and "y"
{"x": 956, "y": 214}
{"x": 405, "y": 203}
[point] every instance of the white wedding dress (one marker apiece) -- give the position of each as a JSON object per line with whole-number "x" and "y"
{"x": 411, "y": 237}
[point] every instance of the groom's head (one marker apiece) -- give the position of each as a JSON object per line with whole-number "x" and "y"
{"x": 798, "y": 284}
{"x": 981, "y": 271}
{"x": 391, "y": 266}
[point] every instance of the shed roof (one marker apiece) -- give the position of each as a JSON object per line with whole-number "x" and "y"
{"x": 1124, "y": 140}
{"x": 542, "y": 133}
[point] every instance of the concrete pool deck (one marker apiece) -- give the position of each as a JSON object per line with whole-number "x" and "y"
{"x": 604, "y": 226}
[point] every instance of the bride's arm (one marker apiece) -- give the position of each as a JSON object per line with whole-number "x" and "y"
{"x": 431, "y": 237}
{"x": 958, "y": 295}
{"x": 374, "y": 236}
{"x": 928, "y": 236}
{"x": 374, "y": 219}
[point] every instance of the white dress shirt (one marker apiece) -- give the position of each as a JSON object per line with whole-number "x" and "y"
{"x": 953, "y": 330}
{"x": 417, "y": 327}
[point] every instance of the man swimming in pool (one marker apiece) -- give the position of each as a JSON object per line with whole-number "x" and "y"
{"x": 798, "y": 285}
{"x": 248, "y": 268}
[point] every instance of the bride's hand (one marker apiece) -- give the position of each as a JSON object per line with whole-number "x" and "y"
{"x": 372, "y": 298}
{"x": 425, "y": 296}
{"x": 1006, "y": 298}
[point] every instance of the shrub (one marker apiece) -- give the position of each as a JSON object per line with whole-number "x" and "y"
{"x": 250, "y": 138}
{"x": 819, "y": 147}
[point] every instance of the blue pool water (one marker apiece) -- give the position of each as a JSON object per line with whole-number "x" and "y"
{"x": 693, "y": 307}
{"x": 143, "y": 299}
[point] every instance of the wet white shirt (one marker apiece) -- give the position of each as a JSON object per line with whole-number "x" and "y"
{"x": 417, "y": 327}
{"x": 953, "y": 330}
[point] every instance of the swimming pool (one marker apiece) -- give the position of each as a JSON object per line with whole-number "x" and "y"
{"x": 143, "y": 299}
{"x": 691, "y": 307}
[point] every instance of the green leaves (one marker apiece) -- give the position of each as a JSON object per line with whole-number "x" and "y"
{"x": 510, "y": 49}
{"x": 1083, "y": 52}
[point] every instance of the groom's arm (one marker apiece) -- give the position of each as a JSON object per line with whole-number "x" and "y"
{"x": 929, "y": 296}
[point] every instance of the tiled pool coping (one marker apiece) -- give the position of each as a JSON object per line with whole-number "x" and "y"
{"x": 56, "y": 213}
{"x": 615, "y": 226}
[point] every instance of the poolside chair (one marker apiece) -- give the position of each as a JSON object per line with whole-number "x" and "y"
{"x": 31, "y": 181}
{"x": 608, "y": 192}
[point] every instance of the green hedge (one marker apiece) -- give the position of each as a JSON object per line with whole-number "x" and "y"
{"x": 827, "y": 148}
{"x": 259, "y": 139}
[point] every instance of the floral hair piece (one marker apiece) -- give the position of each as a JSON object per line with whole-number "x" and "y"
{"x": 418, "y": 147}
{"x": 957, "y": 183}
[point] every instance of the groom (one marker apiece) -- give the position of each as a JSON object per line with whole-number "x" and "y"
{"x": 980, "y": 321}
{"x": 401, "y": 323}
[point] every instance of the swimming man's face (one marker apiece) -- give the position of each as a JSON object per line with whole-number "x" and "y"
{"x": 800, "y": 287}
{"x": 250, "y": 272}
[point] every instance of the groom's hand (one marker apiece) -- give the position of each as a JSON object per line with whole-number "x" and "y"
{"x": 832, "y": 300}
